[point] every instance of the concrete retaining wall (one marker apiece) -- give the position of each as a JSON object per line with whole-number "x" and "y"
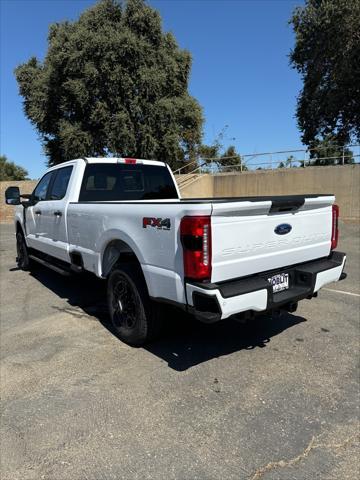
{"x": 7, "y": 211}
{"x": 198, "y": 186}
{"x": 343, "y": 181}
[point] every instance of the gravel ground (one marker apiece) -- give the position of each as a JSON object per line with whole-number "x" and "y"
{"x": 275, "y": 399}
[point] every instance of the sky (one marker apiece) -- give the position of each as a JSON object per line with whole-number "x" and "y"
{"x": 240, "y": 73}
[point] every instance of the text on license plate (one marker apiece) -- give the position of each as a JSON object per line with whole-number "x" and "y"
{"x": 279, "y": 282}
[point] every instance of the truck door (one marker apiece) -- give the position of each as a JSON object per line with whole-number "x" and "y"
{"x": 35, "y": 226}
{"x": 53, "y": 213}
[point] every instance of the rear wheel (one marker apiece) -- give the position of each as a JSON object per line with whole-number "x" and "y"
{"x": 134, "y": 318}
{"x": 22, "y": 258}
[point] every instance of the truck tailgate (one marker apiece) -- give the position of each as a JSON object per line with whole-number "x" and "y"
{"x": 268, "y": 233}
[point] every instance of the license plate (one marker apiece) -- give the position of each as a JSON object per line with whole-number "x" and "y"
{"x": 279, "y": 282}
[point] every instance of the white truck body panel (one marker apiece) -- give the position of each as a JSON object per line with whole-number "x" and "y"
{"x": 255, "y": 301}
{"x": 246, "y": 243}
{"x": 329, "y": 276}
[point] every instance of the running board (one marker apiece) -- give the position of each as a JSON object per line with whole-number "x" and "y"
{"x": 63, "y": 272}
{"x": 76, "y": 268}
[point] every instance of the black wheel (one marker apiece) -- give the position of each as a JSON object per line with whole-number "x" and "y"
{"x": 135, "y": 320}
{"x": 22, "y": 258}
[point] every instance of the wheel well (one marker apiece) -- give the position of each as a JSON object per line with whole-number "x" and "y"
{"x": 19, "y": 228}
{"x": 117, "y": 252}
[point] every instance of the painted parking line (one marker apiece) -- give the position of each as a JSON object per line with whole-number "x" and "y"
{"x": 341, "y": 291}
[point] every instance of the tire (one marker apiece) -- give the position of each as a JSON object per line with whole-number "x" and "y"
{"x": 22, "y": 259}
{"x": 134, "y": 318}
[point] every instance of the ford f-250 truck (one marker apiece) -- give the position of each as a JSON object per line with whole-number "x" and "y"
{"x": 123, "y": 220}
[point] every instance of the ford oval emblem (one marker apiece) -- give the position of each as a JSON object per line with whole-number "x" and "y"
{"x": 283, "y": 229}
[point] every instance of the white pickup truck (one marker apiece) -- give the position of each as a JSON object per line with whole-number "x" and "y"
{"x": 123, "y": 220}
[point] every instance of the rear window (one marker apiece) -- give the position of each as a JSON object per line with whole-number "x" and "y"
{"x": 117, "y": 181}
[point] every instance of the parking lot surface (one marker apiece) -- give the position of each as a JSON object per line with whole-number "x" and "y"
{"x": 275, "y": 399}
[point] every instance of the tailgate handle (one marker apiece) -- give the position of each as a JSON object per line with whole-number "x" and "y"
{"x": 286, "y": 204}
{"x": 58, "y": 213}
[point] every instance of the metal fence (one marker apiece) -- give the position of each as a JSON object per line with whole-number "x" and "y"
{"x": 299, "y": 158}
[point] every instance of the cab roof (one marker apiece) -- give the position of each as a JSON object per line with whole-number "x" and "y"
{"x": 125, "y": 160}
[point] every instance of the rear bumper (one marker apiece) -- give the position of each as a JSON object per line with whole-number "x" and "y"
{"x": 211, "y": 302}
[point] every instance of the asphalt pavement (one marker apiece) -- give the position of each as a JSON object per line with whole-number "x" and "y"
{"x": 275, "y": 399}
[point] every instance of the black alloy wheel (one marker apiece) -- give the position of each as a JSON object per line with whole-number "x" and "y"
{"x": 134, "y": 317}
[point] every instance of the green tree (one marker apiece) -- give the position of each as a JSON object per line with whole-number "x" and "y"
{"x": 230, "y": 158}
{"x": 326, "y": 54}
{"x": 112, "y": 82}
{"x": 209, "y": 153}
{"x": 290, "y": 162}
{"x": 215, "y": 154}
{"x": 10, "y": 171}
{"x": 327, "y": 152}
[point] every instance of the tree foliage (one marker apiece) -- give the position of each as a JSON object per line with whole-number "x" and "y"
{"x": 112, "y": 82}
{"x": 208, "y": 153}
{"x": 327, "y": 152}
{"x": 11, "y": 171}
{"x": 230, "y": 158}
{"x": 327, "y": 55}
{"x": 222, "y": 157}
{"x": 290, "y": 162}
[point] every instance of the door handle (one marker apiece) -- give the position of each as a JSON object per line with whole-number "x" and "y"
{"x": 38, "y": 212}
{"x": 58, "y": 213}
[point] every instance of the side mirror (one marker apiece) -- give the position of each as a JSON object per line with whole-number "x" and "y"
{"x": 12, "y": 196}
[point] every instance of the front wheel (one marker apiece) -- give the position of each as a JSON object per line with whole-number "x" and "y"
{"x": 134, "y": 318}
{"x": 22, "y": 259}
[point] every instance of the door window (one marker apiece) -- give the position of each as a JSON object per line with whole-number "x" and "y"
{"x": 41, "y": 189}
{"x": 60, "y": 184}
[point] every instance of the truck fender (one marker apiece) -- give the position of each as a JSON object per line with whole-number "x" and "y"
{"x": 20, "y": 228}
{"x": 114, "y": 247}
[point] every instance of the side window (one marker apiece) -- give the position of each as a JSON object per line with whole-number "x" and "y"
{"x": 60, "y": 184}
{"x": 42, "y": 187}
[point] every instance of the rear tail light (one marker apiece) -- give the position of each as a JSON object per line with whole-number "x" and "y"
{"x": 195, "y": 233}
{"x": 335, "y": 227}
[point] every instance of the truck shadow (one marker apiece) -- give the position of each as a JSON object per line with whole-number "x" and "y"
{"x": 185, "y": 342}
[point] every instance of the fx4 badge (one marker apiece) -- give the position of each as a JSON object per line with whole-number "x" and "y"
{"x": 159, "y": 223}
